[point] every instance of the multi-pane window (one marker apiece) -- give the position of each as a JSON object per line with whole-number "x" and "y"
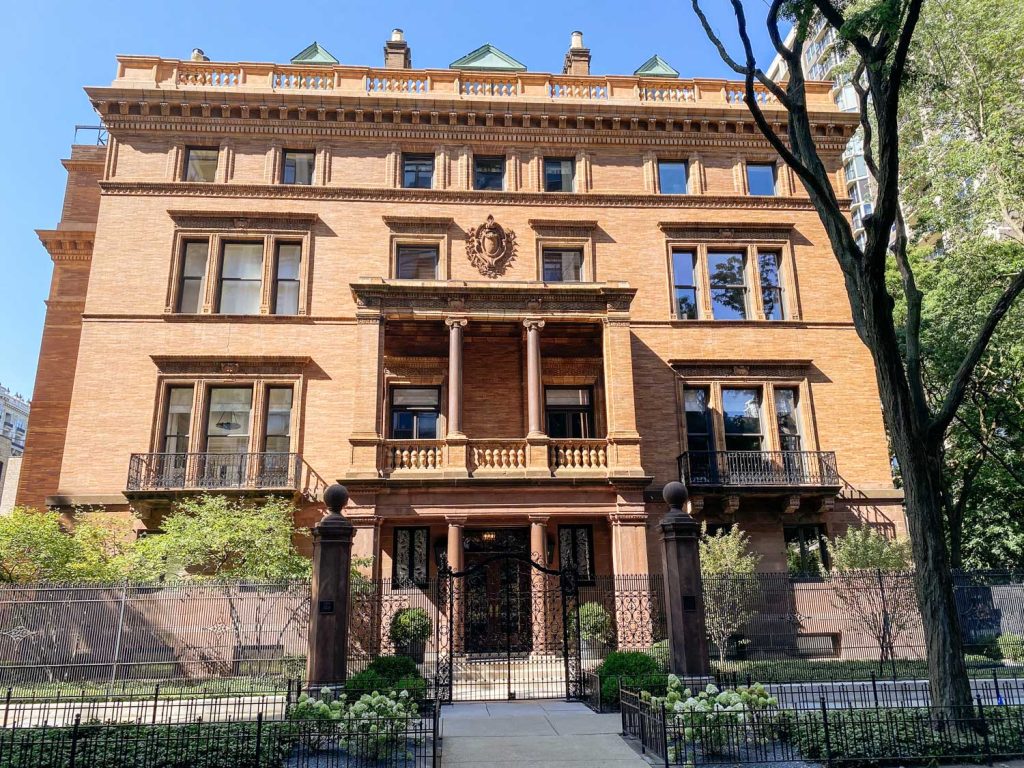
{"x": 286, "y": 279}
{"x": 416, "y": 262}
{"x": 178, "y": 419}
{"x": 193, "y": 277}
{"x": 788, "y": 418}
{"x": 297, "y": 167}
{"x": 684, "y": 278}
{"x": 769, "y": 266}
{"x": 741, "y": 415}
{"x": 414, "y": 413}
{"x": 569, "y": 411}
{"x": 417, "y": 171}
{"x": 227, "y": 425}
{"x": 562, "y": 265}
{"x": 727, "y": 274}
{"x": 278, "y": 426}
{"x": 699, "y": 429}
{"x": 576, "y": 550}
{"x": 806, "y": 548}
{"x": 201, "y": 164}
{"x": 559, "y": 174}
{"x": 761, "y": 178}
{"x": 489, "y": 172}
{"x": 241, "y": 278}
{"x": 409, "y": 557}
{"x": 673, "y": 177}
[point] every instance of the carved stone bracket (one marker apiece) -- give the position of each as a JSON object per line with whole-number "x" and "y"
{"x": 696, "y": 505}
{"x": 791, "y": 504}
{"x": 730, "y": 504}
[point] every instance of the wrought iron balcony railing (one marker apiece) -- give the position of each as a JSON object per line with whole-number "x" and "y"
{"x": 213, "y": 471}
{"x": 754, "y": 469}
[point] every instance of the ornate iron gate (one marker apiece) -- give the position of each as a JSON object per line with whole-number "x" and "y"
{"x": 507, "y": 628}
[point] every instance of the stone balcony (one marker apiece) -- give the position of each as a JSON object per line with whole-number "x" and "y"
{"x": 505, "y": 458}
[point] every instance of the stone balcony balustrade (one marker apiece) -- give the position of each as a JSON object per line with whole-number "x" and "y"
{"x": 350, "y": 81}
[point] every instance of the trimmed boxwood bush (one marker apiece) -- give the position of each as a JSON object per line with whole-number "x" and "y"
{"x": 629, "y": 667}
{"x": 387, "y": 673}
{"x": 1011, "y": 646}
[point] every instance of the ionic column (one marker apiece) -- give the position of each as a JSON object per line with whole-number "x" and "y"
{"x": 533, "y": 375}
{"x": 539, "y": 591}
{"x": 455, "y": 326}
{"x": 536, "y": 440}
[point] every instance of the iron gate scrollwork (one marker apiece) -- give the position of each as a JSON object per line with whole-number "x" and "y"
{"x": 507, "y": 628}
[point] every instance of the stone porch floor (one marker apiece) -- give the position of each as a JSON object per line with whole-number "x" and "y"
{"x": 533, "y": 734}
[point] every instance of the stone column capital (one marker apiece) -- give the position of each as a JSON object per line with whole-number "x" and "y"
{"x": 533, "y": 323}
{"x": 456, "y": 521}
{"x": 456, "y": 322}
{"x": 539, "y": 519}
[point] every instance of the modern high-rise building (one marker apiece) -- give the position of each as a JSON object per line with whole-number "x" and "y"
{"x": 503, "y": 307}
{"x": 821, "y": 61}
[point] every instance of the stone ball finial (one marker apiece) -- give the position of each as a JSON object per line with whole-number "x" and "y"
{"x": 675, "y": 494}
{"x": 336, "y": 497}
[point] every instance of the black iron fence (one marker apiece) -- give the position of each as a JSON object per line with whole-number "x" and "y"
{"x": 688, "y": 731}
{"x": 213, "y": 471}
{"x": 759, "y": 468}
{"x": 270, "y": 730}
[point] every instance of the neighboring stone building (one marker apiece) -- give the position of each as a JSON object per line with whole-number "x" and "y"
{"x": 14, "y": 411}
{"x": 503, "y": 307}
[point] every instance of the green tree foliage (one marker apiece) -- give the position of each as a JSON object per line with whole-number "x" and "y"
{"x": 36, "y": 546}
{"x": 963, "y": 188}
{"x": 727, "y": 567}
{"x": 220, "y": 538}
{"x": 864, "y": 548}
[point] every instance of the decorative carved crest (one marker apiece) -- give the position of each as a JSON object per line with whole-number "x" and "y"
{"x": 491, "y": 248}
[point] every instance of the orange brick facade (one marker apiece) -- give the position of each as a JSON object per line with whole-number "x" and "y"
{"x": 115, "y": 342}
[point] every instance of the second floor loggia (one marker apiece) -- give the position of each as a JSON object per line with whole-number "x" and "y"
{"x": 482, "y": 381}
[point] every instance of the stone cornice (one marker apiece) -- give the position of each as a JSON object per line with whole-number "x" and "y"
{"x": 419, "y": 224}
{"x": 246, "y": 220}
{"x": 476, "y": 197}
{"x": 68, "y": 244}
{"x": 563, "y": 227}
{"x": 526, "y": 138}
{"x": 231, "y": 364}
{"x": 704, "y": 230}
{"x": 498, "y": 298}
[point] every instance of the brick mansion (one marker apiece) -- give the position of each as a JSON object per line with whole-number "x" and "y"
{"x": 503, "y": 307}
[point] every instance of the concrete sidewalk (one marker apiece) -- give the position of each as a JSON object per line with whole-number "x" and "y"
{"x": 533, "y": 734}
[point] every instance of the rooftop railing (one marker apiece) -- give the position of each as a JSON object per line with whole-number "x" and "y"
{"x": 173, "y": 74}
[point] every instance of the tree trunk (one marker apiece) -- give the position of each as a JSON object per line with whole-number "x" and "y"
{"x": 921, "y": 469}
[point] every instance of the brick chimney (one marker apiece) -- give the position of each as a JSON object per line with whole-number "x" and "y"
{"x": 577, "y": 59}
{"x": 397, "y": 54}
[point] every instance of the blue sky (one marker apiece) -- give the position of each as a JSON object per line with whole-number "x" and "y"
{"x": 52, "y": 49}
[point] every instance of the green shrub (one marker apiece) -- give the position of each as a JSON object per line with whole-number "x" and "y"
{"x": 393, "y": 667}
{"x": 631, "y": 668}
{"x": 410, "y": 625}
{"x": 367, "y": 681}
{"x": 870, "y": 737}
{"x": 374, "y": 725}
{"x": 203, "y": 745}
{"x": 1011, "y": 646}
{"x": 595, "y": 623}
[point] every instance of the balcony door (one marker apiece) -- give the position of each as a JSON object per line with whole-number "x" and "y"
{"x": 169, "y": 467}
{"x": 744, "y": 437}
{"x": 700, "y": 436}
{"x": 228, "y": 418}
{"x": 569, "y": 412}
{"x": 414, "y": 413}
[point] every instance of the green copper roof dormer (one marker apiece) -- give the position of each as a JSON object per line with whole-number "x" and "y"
{"x": 314, "y": 53}
{"x": 656, "y": 67}
{"x": 487, "y": 58}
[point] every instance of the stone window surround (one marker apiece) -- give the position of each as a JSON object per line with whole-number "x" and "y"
{"x": 696, "y": 177}
{"x": 732, "y": 240}
{"x": 423, "y": 231}
{"x": 785, "y": 183}
{"x": 574, "y": 235}
{"x": 767, "y": 385}
{"x": 202, "y": 384}
{"x": 219, "y": 228}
